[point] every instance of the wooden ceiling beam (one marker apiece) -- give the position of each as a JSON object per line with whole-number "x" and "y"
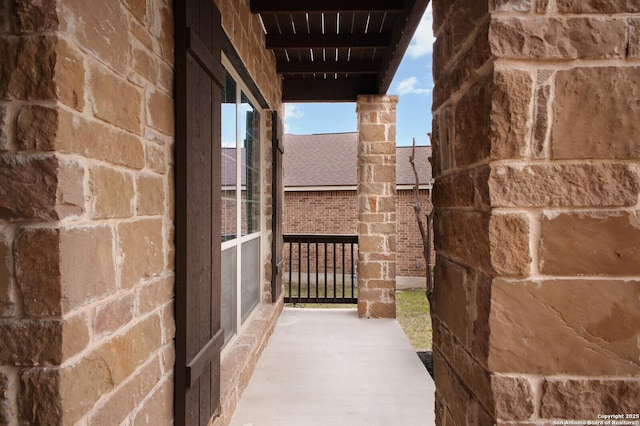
{"x": 327, "y": 90}
{"x": 320, "y": 67}
{"x": 319, "y": 41}
{"x": 326, "y": 6}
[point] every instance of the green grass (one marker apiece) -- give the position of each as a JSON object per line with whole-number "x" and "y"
{"x": 412, "y": 311}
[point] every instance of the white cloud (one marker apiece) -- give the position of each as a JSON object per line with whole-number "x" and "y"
{"x": 423, "y": 39}
{"x": 292, "y": 111}
{"x": 408, "y": 86}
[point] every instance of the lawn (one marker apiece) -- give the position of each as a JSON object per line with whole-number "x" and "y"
{"x": 412, "y": 311}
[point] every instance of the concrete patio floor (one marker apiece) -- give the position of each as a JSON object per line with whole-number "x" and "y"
{"x": 327, "y": 367}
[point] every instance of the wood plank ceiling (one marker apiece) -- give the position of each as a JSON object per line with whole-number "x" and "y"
{"x": 335, "y": 50}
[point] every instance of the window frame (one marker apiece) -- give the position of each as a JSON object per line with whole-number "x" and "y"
{"x": 240, "y": 240}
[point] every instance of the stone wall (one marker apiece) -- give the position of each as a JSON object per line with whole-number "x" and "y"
{"x": 86, "y": 209}
{"x": 86, "y": 254}
{"x": 536, "y": 308}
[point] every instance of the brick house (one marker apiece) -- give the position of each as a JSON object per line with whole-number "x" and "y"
{"x": 320, "y": 177}
{"x": 117, "y": 293}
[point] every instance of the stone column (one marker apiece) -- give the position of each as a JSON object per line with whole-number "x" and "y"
{"x": 377, "y": 206}
{"x": 536, "y": 117}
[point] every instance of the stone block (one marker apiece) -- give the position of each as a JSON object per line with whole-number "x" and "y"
{"x": 450, "y": 297}
{"x": 450, "y": 390}
{"x": 513, "y": 397}
{"x": 512, "y": 92}
{"x": 138, "y": 8}
{"x": 155, "y": 158}
{"x": 113, "y": 315}
{"x": 69, "y": 75}
{"x": 39, "y": 397}
{"x": 454, "y": 69}
{"x": 35, "y": 16}
{"x": 37, "y": 127}
{"x": 70, "y": 195}
{"x": 565, "y": 327}
{"x": 509, "y": 241}
{"x": 537, "y": 38}
{"x": 464, "y": 189}
{"x": 151, "y": 196}
{"x": 140, "y": 245}
{"x": 564, "y": 185}
{"x": 369, "y": 270}
{"x": 372, "y": 132}
{"x": 115, "y": 100}
{"x": 598, "y": 6}
{"x": 466, "y": 14}
{"x": 160, "y": 114}
{"x": 75, "y": 335}
{"x": 123, "y": 401}
{"x": 471, "y": 139}
{"x": 590, "y": 243}
{"x": 105, "y": 368}
{"x": 162, "y": 31}
{"x": 510, "y": 5}
{"x": 633, "y": 48}
{"x": 5, "y": 403}
{"x": 141, "y": 33}
{"x": 143, "y": 63}
{"x": 39, "y": 187}
{"x": 474, "y": 376}
{"x": 158, "y": 409}
{"x": 28, "y": 187}
{"x": 31, "y": 342}
{"x": 38, "y": 272}
{"x": 92, "y": 278}
{"x": 7, "y": 305}
{"x": 112, "y": 193}
{"x": 104, "y": 32}
{"x": 473, "y": 249}
{"x": 579, "y": 399}
{"x": 94, "y": 139}
{"x": 28, "y": 68}
{"x": 478, "y": 312}
{"x": 381, "y": 309}
{"x": 4, "y": 124}
{"x": 154, "y": 294}
{"x": 604, "y": 129}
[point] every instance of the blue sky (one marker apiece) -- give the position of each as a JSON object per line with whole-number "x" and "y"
{"x": 413, "y": 83}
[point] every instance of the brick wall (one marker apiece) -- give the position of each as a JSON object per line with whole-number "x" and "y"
{"x": 335, "y": 212}
{"x": 535, "y": 308}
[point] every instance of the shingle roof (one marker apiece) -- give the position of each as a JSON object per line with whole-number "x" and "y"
{"x": 331, "y": 159}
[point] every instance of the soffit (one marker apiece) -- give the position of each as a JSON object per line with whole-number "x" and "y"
{"x": 335, "y": 50}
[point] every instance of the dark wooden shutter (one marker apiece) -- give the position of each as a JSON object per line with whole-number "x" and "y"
{"x": 199, "y": 77}
{"x": 277, "y": 260}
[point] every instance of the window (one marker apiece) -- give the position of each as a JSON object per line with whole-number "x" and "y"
{"x": 241, "y": 204}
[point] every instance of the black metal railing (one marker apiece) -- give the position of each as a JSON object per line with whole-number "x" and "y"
{"x": 321, "y": 268}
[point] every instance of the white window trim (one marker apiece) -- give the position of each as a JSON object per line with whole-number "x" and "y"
{"x": 241, "y": 239}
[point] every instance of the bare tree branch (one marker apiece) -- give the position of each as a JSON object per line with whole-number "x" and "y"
{"x": 425, "y": 233}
